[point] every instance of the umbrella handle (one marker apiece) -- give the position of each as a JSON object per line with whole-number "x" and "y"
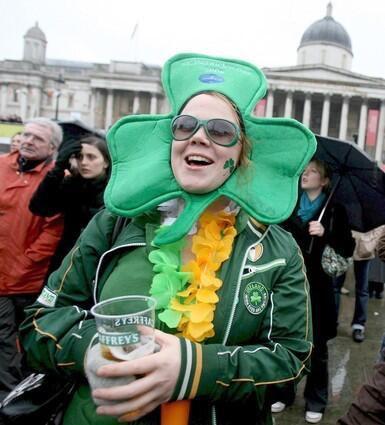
{"x": 310, "y": 248}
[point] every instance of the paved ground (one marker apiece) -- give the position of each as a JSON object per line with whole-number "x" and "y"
{"x": 349, "y": 363}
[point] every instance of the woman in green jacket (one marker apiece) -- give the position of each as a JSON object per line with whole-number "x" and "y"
{"x": 233, "y": 313}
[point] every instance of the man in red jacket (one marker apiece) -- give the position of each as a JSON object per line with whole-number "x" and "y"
{"x": 27, "y": 242}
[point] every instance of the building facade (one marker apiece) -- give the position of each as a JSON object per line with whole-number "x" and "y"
{"x": 321, "y": 90}
{"x": 97, "y": 94}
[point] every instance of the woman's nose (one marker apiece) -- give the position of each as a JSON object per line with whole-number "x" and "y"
{"x": 200, "y": 137}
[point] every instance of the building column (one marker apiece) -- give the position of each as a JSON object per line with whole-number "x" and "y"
{"x": 380, "y": 134}
{"x": 154, "y": 104}
{"x": 92, "y": 108}
{"x": 99, "y": 111}
{"x": 270, "y": 103}
{"x": 288, "y": 104}
{"x": 307, "y": 110}
{"x": 135, "y": 106}
{"x": 109, "y": 109}
{"x": 23, "y": 96}
{"x": 36, "y": 102}
{"x": 363, "y": 122}
{"x": 325, "y": 116}
{"x": 3, "y": 98}
{"x": 344, "y": 118}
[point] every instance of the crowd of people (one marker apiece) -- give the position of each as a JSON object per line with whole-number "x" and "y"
{"x": 227, "y": 223}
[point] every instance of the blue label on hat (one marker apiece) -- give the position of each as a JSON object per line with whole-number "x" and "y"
{"x": 211, "y": 78}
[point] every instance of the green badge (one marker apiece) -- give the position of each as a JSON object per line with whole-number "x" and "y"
{"x": 255, "y": 297}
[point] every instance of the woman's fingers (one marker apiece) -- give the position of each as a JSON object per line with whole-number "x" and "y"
{"x": 316, "y": 228}
{"x": 156, "y": 377}
{"x": 129, "y": 391}
{"x": 140, "y": 366}
{"x": 136, "y": 407}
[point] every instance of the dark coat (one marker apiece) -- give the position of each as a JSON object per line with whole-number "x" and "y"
{"x": 78, "y": 199}
{"x": 369, "y": 406}
{"x": 338, "y": 236}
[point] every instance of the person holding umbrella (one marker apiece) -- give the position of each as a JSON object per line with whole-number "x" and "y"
{"x": 359, "y": 185}
{"x": 76, "y": 192}
{"x": 312, "y": 235}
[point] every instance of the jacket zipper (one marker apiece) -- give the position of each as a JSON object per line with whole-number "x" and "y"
{"x": 230, "y": 322}
{"x": 234, "y": 306}
{"x": 236, "y": 297}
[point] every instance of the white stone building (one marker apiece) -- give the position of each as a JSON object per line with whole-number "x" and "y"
{"x": 321, "y": 90}
{"x": 97, "y": 94}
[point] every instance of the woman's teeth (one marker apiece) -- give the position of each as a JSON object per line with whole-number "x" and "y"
{"x": 198, "y": 160}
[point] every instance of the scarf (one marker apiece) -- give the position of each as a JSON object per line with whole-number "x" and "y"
{"x": 307, "y": 208}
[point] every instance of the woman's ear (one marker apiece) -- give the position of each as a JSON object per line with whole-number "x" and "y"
{"x": 325, "y": 182}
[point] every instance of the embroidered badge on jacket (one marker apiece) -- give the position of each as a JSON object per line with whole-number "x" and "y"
{"x": 255, "y": 252}
{"x": 255, "y": 297}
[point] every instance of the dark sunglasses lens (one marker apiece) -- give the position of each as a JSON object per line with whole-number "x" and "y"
{"x": 221, "y": 131}
{"x": 183, "y": 127}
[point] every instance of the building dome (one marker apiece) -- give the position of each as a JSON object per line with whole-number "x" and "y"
{"x": 327, "y": 31}
{"x": 36, "y": 33}
{"x": 35, "y": 43}
{"x": 326, "y": 42}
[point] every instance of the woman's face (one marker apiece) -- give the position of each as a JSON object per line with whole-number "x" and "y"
{"x": 312, "y": 179}
{"x": 91, "y": 163}
{"x": 15, "y": 143}
{"x": 200, "y": 165}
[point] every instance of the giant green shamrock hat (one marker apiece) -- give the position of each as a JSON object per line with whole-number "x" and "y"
{"x": 140, "y": 147}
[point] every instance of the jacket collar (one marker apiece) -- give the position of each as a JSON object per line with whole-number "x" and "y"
{"x": 15, "y": 164}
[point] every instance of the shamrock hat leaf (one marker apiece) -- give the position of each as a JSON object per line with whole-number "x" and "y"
{"x": 140, "y": 148}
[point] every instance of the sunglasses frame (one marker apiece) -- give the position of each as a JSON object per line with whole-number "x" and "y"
{"x": 203, "y": 123}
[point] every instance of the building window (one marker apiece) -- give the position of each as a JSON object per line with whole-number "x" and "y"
{"x": 323, "y": 56}
{"x": 71, "y": 97}
{"x": 15, "y": 95}
{"x": 48, "y": 97}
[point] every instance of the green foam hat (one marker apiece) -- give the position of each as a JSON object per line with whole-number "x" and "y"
{"x": 140, "y": 147}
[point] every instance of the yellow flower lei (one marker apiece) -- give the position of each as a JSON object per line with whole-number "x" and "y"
{"x": 191, "y": 309}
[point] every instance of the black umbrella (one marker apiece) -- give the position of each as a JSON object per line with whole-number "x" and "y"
{"x": 357, "y": 183}
{"x": 75, "y": 129}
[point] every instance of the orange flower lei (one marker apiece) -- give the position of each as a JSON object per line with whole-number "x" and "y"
{"x": 191, "y": 309}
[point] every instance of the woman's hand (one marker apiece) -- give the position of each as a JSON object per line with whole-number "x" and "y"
{"x": 156, "y": 375}
{"x": 316, "y": 229}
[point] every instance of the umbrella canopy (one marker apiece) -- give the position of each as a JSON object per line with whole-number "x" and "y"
{"x": 75, "y": 129}
{"x": 357, "y": 182}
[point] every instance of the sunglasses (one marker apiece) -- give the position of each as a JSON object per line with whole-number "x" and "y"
{"x": 218, "y": 130}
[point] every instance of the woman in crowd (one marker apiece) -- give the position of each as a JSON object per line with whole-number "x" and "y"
{"x": 312, "y": 235}
{"x": 77, "y": 192}
{"x": 197, "y": 183}
{"x": 15, "y": 142}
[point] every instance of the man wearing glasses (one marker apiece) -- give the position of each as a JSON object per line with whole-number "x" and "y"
{"x": 26, "y": 241}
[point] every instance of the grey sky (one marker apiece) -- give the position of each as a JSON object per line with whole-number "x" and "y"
{"x": 266, "y": 33}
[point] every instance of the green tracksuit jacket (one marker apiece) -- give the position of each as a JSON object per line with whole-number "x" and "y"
{"x": 262, "y": 321}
